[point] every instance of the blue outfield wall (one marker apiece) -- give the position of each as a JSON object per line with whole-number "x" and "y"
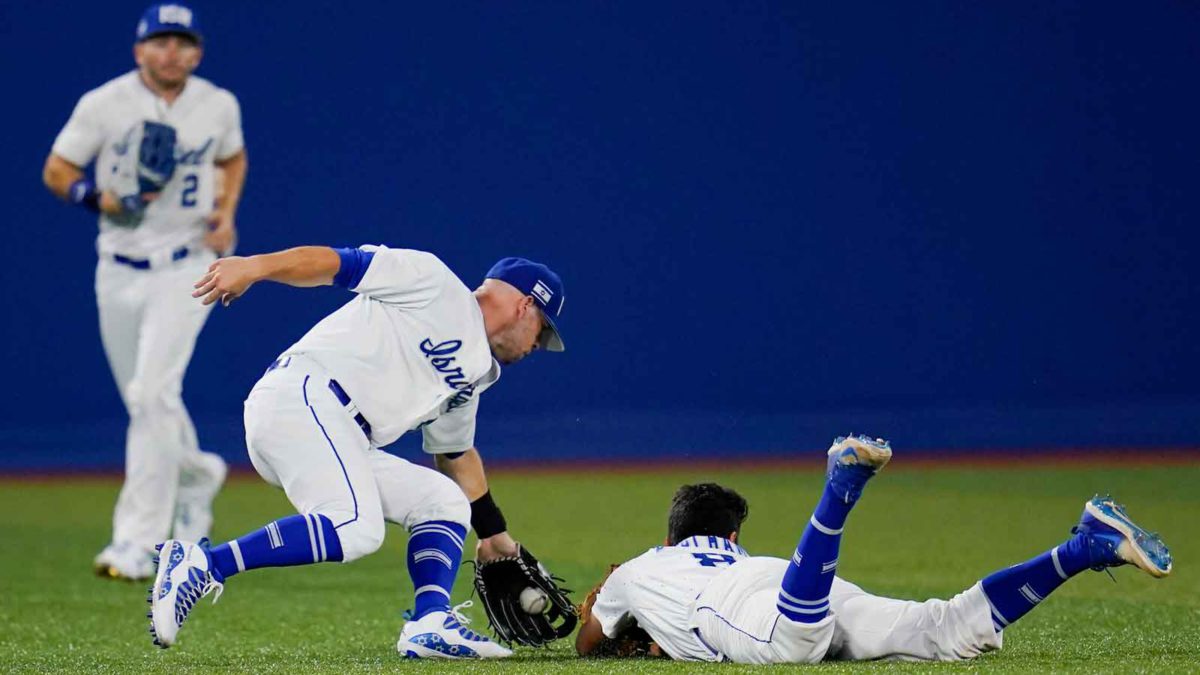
{"x": 964, "y": 227}
{"x": 646, "y": 437}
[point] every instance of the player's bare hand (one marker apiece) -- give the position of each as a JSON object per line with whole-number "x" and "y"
{"x": 226, "y": 280}
{"x": 221, "y": 232}
{"x": 497, "y": 546}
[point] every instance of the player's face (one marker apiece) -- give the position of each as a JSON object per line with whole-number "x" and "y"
{"x": 167, "y": 60}
{"x": 521, "y": 338}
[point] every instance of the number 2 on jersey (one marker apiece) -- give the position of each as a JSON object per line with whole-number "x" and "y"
{"x": 714, "y": 559}
{"x": 190, "y": 185}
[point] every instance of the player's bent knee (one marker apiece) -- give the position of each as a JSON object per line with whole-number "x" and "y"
{"x": 360, "y": 538}
{"x": 446, "y": 503}
{"x": 962, "y": 626}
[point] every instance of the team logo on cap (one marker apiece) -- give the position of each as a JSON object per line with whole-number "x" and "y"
{"x": 175, "y": 14}
{"x": 543, "y": 293}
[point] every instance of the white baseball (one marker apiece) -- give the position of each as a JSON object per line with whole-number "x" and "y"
{"x": 534, "y": 600}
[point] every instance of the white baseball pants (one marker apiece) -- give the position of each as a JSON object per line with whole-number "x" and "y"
{"x": 736, "y": 616}
{"x": 302, "y": 439}
{"x": 148, "y": 324}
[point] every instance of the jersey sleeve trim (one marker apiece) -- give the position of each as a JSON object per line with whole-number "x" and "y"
{"x": 455, "y": 449}
{"x": 355, "y": 262}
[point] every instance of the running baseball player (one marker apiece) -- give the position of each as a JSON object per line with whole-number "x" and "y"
{"x": 154, "y": 135}
{"x": 414, "y": 350}
{"x": 701, "y": 597}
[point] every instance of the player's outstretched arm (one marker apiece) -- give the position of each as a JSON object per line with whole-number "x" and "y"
{"x": 467, "y": 470}
{"x": 228, "y": 278}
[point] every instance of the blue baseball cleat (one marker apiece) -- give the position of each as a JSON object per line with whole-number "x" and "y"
{"x": 184, "y": 576}
{"x": 852, "y": 461}
{"x": 1113, "y": 539}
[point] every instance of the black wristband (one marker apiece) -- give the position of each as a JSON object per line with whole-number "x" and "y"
{"x": 91, "y": 202}
{"x": 83, "y": 193}
{"x": 486, "y": 519}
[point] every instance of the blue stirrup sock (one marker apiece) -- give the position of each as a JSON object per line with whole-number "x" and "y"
{"x": 295, "y": 540}
{"x": 804, "y": 593}
{"x": 1012, "y": 592}
{"x": 434, "y": 552}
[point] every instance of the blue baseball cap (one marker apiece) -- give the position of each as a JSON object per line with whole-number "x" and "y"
{"x": 168, "y": 18}
{"x": 543, "y": 285}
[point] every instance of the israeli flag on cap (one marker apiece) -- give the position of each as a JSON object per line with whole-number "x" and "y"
{"x": 543, "y": 285}
{"x": 168, "y": 18}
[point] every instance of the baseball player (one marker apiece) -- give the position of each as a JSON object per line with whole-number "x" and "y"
{"x": 415, "y": 349}
{"x": 154, "y": 135}
{"x": 701, "y": 597}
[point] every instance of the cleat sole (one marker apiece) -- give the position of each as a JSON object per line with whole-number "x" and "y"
{"x": 861, "y": 450}
{"x": 1139, "y": 548}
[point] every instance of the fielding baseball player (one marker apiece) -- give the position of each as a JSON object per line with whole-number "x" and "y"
{"x": 155, "y": 135}
{"x": 702, "y": 598}
{"x": 414, "y": 350}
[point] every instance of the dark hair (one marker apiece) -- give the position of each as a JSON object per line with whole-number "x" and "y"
{"x": 705, "y": 509}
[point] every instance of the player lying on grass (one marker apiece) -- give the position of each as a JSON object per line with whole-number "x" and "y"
{"x": 701, "y": 597}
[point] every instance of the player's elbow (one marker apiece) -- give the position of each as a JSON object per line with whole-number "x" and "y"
{"x": 582, "y": 648}
{"x": 49, "y": 174}
{"x": 589, "y": 636}
{"x": 235, "y": 161}
{"x": 57, "y": 175}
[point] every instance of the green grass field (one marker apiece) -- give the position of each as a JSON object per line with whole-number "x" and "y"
{"x": 920, "y": 532}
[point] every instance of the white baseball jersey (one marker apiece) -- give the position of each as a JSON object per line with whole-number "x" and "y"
{"x": 411, "y": 351}
{"x": 658, "y": 588}
{"x": 208, "y": 127}
{"x": 707, "y": 600}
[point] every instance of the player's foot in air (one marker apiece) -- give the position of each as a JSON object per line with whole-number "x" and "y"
{"x": 185, "y": 575}
{"x": 1113, "y": 539}
{"x": 444, "y": 635}
{"x": 198, "y": 486}
{"x": 124, "y": 562}
{"x": 852, "y": 462}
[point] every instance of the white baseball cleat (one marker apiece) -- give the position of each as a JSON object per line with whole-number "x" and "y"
{"x": 184, "y": 576}
{"x": 198, "y": 487}
{"x": 125, "y": 562}
{"x": 444, "y": 635}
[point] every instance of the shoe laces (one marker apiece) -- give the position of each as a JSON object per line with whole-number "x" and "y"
{"x": 461, "y": 620}
{"x": 198, "y": 585}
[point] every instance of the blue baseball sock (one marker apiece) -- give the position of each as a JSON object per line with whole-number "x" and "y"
{"x": 434, "y": 553}
{"x": 804, "y": 593}
{"x": 1014, "y": 591}
{"x": 295, "y": 540}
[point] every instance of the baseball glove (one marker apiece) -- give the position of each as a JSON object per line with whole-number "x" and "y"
{"x": 146, "y": 170}
{"x": 156, "y": 156}
{"x": 500, "y": 582}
